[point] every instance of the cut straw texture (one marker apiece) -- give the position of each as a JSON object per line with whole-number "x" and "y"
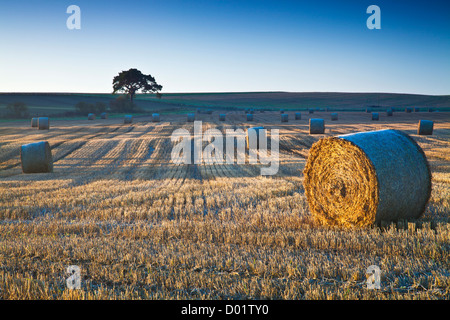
{"x": 128, "y": 119}
{"x": 365, "y": 178}
{"x": 155, "y": 117}
{"x": 316, "y": 126}
{"x": 43, "y": 123}
{"x": 36, "y": 157}
{"x": 425, "y": 127}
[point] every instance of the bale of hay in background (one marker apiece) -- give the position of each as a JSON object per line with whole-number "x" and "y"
{"x": 128, "y": 119}
{"x": 311, "y": 110}
{"x": 368, "y": 110}
{"x": 256, "y": 130}
{"x": 36, "y": 157}
{"x": 334, "y": 116}
{"x": 91, "y": 116}
{"x": 389, "y": 112}
{"x": 281, "y": 110}
{"x": 222, "y": 117}
{"x": 298, "y": 116}
{"x": 34, "y": 122}
{"x": 316, "y": 126}
{"x": 364, "y": 178}
{"x": 375, "y": 116}
{"x": 190, "y": 117}
{"x": 284, "y": 117}
{"x": 104, "y": 115}
{"x": 155, "y": 117}
{"x": 408, "y": 110}
{"x": 416, "y": 109}
{"x": 43, "y": 123}
{"x": 249, "y": 117}
{"x": 425, "y": 127}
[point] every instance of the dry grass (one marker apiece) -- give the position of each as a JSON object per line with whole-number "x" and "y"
{"x": 141, "y": 227}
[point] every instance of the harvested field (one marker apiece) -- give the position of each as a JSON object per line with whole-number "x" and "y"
{"x": 142, "y": 227}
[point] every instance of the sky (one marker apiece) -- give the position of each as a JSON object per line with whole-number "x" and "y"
{"x": 227, "y": 45}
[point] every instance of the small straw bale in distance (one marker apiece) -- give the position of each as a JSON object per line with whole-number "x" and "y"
{"x": 257, "y": 132}
{"x": 334, "y": 116}
{"x": 190, "y": 117}
{"x": 408, "y": 110}
{"x": 425, "y": 127}
{"x": 103, "y": 115}
{"x": 281, "y": 110}
{"x": 316, "y": 126}
{"x": 43, "y": 123}
{"x": 375, "y": 116}
{"x": 298, "y": 116}
{"x": 311, "y": 110}
{"x": 249, "y": 117}
{"x": 389, "y": 112}
{"x": 36, "y": 157}
{"x": 284, "y": 117}
{"x": 156, "y": 117}
{"x": 365, "y": 178}
{"x": 91, "y": 116}
{"x": 128, "y": 119}
{"x": 222, "y": 117}
{"x": 34, "y": 122}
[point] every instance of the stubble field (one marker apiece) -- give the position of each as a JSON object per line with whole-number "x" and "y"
{"x": 142, "y": 227}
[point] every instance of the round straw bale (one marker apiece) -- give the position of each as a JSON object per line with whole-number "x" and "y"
{"x": 375, "y": 116}
{"x": 316, "y": 126}
{"x": 281, "y": 110}
{"x": 389, "y": 112}
{"x": 311, "y": 110}
{"x": 256, "y": 130}
{"x": 298, "y": 116}
{"x": 425, "y": 127}
{"x": 128, "y": 119}
{"x": 365, "y": 178}
{"x": 43, "y": 123}
{"x": 190, "y": 117}
{"x": 155, "y": 117}
{"x": 91, "y": 116}
{"x": 103, "y": 115}
{"x": 368, "y": 110}
{"x": 284, "y": 117}
{"x": 222, "y": 117}
{"x": 408, "y": 110}
{"x": 36, "y": 157}
{"x": 34, "y": 122}
{"x": 249, "y": 117}
{"x": 416, "y": 109}
{"x": 334, "y": 116}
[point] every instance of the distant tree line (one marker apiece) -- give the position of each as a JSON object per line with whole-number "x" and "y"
{"x": 17, "y": 110}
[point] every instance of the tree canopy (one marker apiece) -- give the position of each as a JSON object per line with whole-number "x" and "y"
{"x": 132, "y": 81}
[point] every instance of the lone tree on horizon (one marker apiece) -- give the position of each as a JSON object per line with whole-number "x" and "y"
{"x": 132, "y": 81}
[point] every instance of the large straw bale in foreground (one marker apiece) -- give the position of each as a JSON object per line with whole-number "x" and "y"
{"x": 364, "y": 178}
{"x": 36, "y": 157}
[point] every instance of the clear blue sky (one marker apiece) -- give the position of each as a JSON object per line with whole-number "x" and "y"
{"x": 227, "y": 45}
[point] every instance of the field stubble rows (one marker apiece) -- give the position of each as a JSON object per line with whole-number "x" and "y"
{"x": 141, "y": 227}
